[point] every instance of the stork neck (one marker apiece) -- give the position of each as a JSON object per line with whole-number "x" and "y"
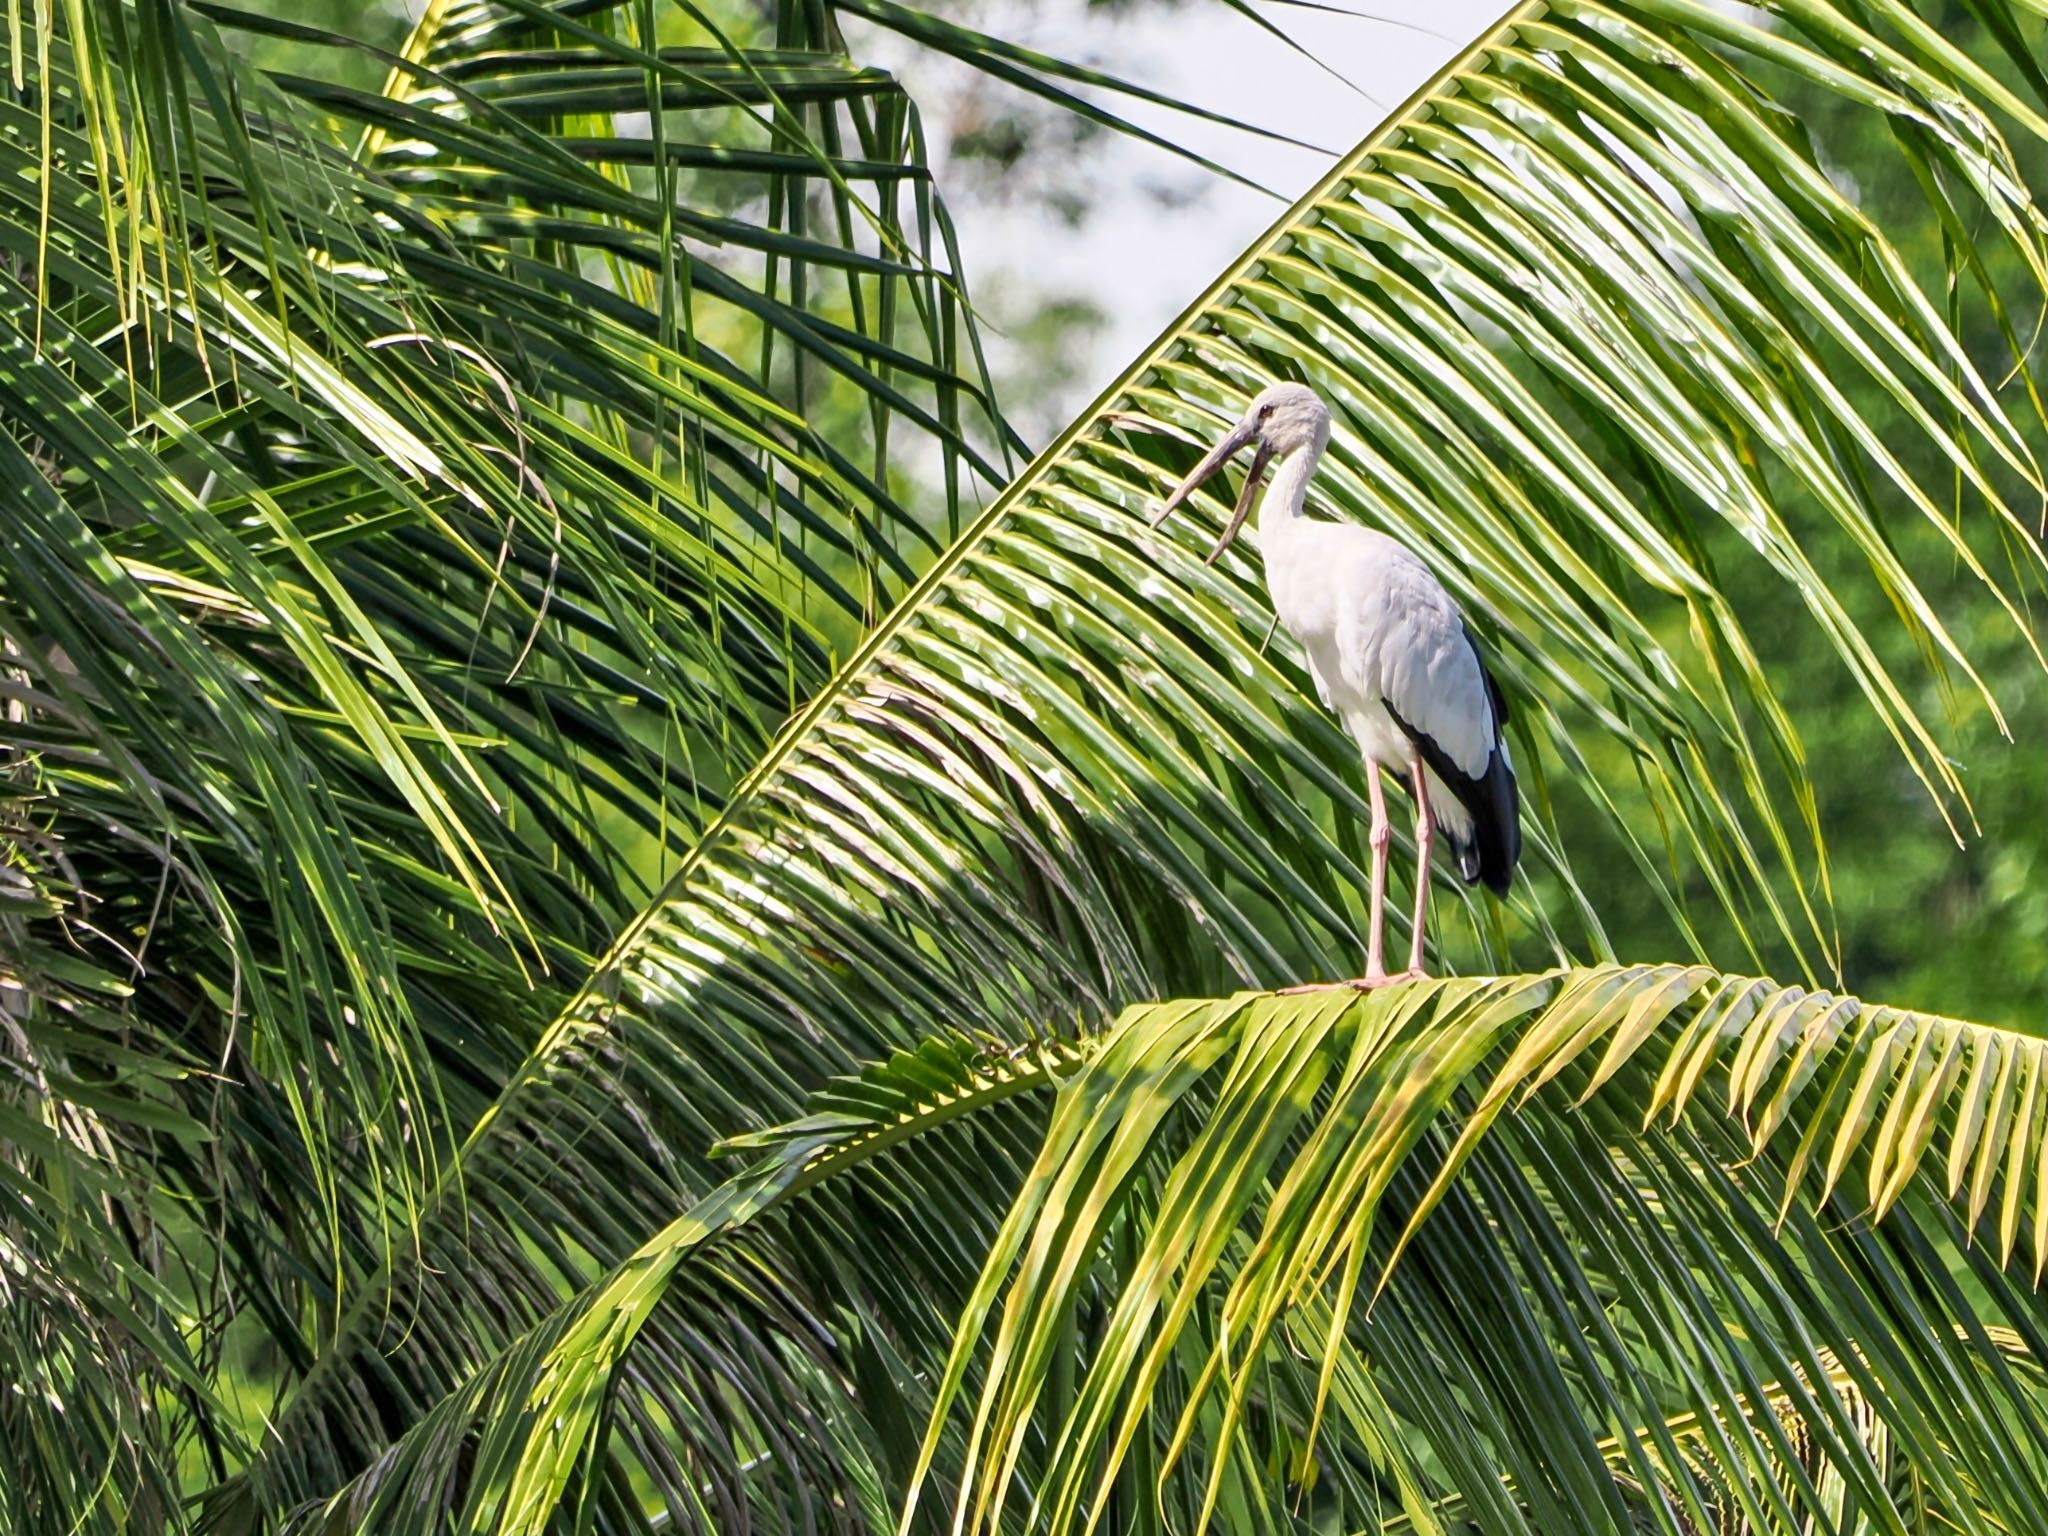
{"x": 1287, "y": 493}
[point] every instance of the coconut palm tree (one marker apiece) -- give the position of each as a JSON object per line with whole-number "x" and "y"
{"x": 619, "y": 917}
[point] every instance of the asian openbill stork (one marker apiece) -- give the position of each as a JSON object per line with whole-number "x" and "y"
{"x": 1390, "y": 655}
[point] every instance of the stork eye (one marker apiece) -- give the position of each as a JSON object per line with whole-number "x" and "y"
{"x": 1265, "y": 410}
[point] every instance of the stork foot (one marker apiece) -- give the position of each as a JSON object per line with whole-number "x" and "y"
{"x": 1357, "y": 984}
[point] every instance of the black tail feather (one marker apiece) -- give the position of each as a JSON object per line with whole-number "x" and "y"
{"x": 1496, "y": 824}
{"x": 1492, "y": 800}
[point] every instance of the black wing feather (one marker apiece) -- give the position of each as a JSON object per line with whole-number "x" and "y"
{"x": 1494, "y": 696}
{"x": 1492, "y": 799}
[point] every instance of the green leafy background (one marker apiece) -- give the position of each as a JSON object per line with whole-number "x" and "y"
{"x": 546, "y": 717}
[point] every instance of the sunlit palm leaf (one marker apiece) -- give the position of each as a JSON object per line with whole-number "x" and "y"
{"x": 476, "y": 406}
{"x": 1582, "y": 307}
{"x": 1630, "y": 1243}
{"x": 1071, "y": 732}
{"x": 400, "y": 552}
{"x": 407, "y": 545}
{"x": 1584, "y": 1170}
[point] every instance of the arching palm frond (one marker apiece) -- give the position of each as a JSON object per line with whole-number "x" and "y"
{"x": 404, "y": 545}
{"x": 1613, "y": 1249}
{"x": 424, "y": 504}
{"x": 1512, "y": 1213}
{"x": 1071, "y": 770}
{"x": 1074, "y": 767}
{"x": 416, "y": 535}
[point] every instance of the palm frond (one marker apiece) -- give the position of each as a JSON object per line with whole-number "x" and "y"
{"x": 1073, "y": 767}
{"x": 703, "y": 1310}
{"x": 421, "y": 529}
{"x": 80, "y": 1110}
{"x": 1064, "y": 710}
{"x": 1644, "y": 1191}
{"x": 1277, "y": 1241}
{"x": 405, "y": 548}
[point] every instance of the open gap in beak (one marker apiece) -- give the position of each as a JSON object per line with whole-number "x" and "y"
{"x": 1252, "y": 477}
{"x": 1212, "y": 461}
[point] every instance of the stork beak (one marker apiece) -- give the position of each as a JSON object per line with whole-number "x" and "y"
{"x": 1252, "y": 477}
{"x": 1212, "y": 461}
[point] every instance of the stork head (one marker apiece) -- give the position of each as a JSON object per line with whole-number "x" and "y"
{"x": 1282, "y": 419}
{"x": 1285, "y": 417}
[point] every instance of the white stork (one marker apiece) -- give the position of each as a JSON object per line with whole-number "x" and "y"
{"x": 1391, "y": 656}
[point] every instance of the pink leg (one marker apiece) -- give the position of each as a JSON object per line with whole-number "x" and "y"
{"x": 1425, "y": 837}
{"x": 1381, "y": 836}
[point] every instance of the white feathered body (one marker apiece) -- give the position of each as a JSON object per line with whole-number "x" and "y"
{"x": 1393, "y": 660}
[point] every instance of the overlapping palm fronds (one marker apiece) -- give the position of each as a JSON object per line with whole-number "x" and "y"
{"x": 423, "y": 526}
{"x": 1710, "y": 1226}
{"x": 422, "y": 507}
{"x": 1581, "y": 304}
{"x": 1711, "y": 1213}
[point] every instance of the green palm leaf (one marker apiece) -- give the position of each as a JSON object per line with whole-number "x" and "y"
{"x": 1711, "y": 1112}
{"x": 411, "y": 540}
{"x": 1072, "y": 768}
{"x": 402, "y": 548}
{"x": 1069, "y": 733}
{"x": 1287, "y": 1234}
{"x": 414, "y": 539}
{"x": 1004, "y": 757}
{"x": 1063, "y": 714}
